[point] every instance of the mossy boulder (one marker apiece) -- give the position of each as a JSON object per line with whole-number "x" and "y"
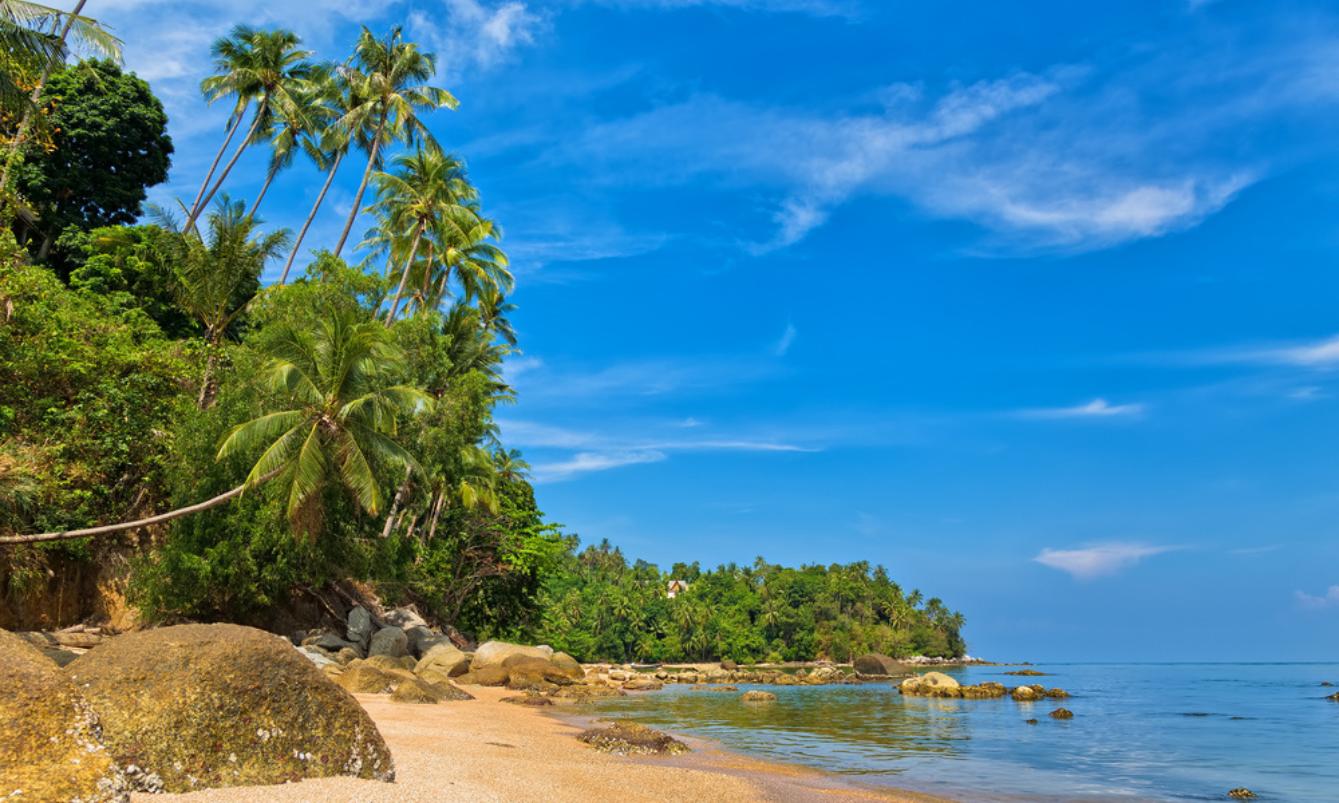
{"x": 569, "y": 666}
{"x": 758, "y": 697}
{"x": 441, "y": 663}
{"x": 1027, "y": 694}
{"x": 416, "y": 690}
{"x": 1062, "y": 713}
{"x": 984, "y": 691}
{"x": 494, "y": 653}
{"x": 201, "y": 706}
{"x": 366, "y": 679}
{"x": 50, "y": 740}
{"x": 629, "y": 738}
{"x": 485, "y": 676}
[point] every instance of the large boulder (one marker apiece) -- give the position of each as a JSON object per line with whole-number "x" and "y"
{"x": 630, "y": 738}
{"x": 391, "y": 641}
{"x": 931, "y": 684}
{"x": 360, "y": 627}
{"x": 493, "y": 653}
{"x": 415, "y": 690}
{"x": 50, "y": 740}
{"x": 422, "y": 639}
{"x": 198, "y": 706}
{"x": 568, "y": 666}
{"x": 441, "y": 663}
{"x": 875, "y": 664}
{"x": 486, "y": 676}
{"x": 527, "y": 672}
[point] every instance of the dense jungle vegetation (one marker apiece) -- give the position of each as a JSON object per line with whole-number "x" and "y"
{"x": 308, "y": 413}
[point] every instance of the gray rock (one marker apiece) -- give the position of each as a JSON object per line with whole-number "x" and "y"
{"x": 360, "y": 626}
{"x": 391, "y": 641}
{"x": 405, "y": 618}
{"x": 329, "y": 642}
{"x": 421, "y": 639}
{"x": 318, "y": 657}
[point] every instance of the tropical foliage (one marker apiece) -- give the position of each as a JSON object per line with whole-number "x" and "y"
{"x": 225, "y": 448}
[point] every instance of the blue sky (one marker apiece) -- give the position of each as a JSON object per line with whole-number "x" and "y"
{"x": 1033, "y": 303}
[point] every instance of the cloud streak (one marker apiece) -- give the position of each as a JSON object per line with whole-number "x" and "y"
{"x": 1098, "y": 560}
{"x": 1097, "y": 408}
{"x": 1311, "y": 602}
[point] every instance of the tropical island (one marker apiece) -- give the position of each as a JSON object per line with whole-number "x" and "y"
{"x": 183, "y": 441}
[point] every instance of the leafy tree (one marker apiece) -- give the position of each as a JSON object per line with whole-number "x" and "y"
{"x": 109, "y": 143}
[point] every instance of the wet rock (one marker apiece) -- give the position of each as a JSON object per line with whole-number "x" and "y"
{"x": 629, "y": 738}
{"x": 931, "y": 684}
{"x": 1062, "y": 713}
{"x": 1027, "y": 673}
{"x": 643, "y": 684}
{"x": 203, "y": 706}
{"x": 1027, "y": 694}
{"x": 1057, "y": 694}
{"x": 51, "y": 744}
{"x": 582, "y": 691}
{"x": 389, "y": 641}
{"x": 1030, "y": 721}
{"x": 876, "y": 664}
{"x": 989, "y": 690}
{"x": 1334, "y": 697}
{"x": 537, "y": 700}
{"x": 1240, "y": 793}
{"x": 758, "y": 697}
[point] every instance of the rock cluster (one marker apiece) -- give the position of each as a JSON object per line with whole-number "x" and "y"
{"x": 629, "y": 738}
{"x": 937, "y": 684}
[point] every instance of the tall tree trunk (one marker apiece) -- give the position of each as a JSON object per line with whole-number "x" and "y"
{"x": 237, "y": 154}
{"x": 441, "y": 286}
{"x": 209, "y": 382}
{"x": 264, "y": 188}
{"x": 218, "y": 157}
{"x": 436, "y": 514}
{"x": 404, "y": 274}
{"x": 427, "y": 277}
{"x": 320, "y": 199}
{"x": 362, "y": 187}
{"x": 134, "y": 525}
{"x": 27, "y": 122}
{"x": 400, "y": 494}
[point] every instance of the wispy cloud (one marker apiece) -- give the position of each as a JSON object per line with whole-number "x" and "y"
{"x": 787, "y": 339}
{"x": 1329, "y": 599}
{"x": 476, "y": 35}
{"x": 1098, "y": 560}
{"x": 1097, "y": 408}
{"x": 588, "y": 462}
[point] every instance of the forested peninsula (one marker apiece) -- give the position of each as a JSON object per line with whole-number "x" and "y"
{"x": 204, "y": 417}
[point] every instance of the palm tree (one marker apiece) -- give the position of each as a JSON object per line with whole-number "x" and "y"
{"x": 340, "y": 417}
{"x": 234, "y": 77}
{"x": 271, "y": 69}
{"x": 337, "y": 137}
{"x": 217, "y": 278}
{"x": 390, "y": 76}
{"x": 469, "y": 252}
{"x": 27, "y": 43}
{"x": 424, "y": 188}
{"x": 301, "y": 116}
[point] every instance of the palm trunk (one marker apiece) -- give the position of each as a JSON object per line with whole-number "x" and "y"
{"x": 27, "y": 122}
{"x": 135, "y": 525}
{"x": 237, "y": 154}
{"x": 441, "y": 286}
{"x": 436, "y": 514}
{"x": 404, "y": 275}
{"x": 264, "y": 188}
{"x": 320, "y": 199}
{"x": 208, "y": 383}
{"x": 427, "y": 277}
{"x": 218, "y": 157}
{"x": 362, "y": 188}
{"x": 400, "y": 494}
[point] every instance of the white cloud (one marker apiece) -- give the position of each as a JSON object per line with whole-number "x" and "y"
{"x": 474, "y": 35}
{"x": 1097, "y": 408}
{"x": 1329, "y": 599}
{"x": 782, "y": 347}
{"x": 1098, "y": 560}
{"x": 1319, "y": 354}
{"x": 587, "y": 462}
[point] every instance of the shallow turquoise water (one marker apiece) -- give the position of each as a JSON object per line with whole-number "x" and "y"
{"x": 1140, "y": 732}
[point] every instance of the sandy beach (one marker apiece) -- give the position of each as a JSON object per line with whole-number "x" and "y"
{"x": 484, "y": 750}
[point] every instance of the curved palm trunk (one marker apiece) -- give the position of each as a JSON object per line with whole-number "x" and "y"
{"x": 362, "y": 188}
{"x": 237, "y": 154}
{"x": 320, "y": 199}
{"x": 138, "y": 523}
{"x": 26, "y": 124}
{"x": 264, "y": 188}
{"x": 404, "y": 274}
{"x": 218, "y": 157}
{"x": 422, "y": 293}
{"x": 400, "y": 494}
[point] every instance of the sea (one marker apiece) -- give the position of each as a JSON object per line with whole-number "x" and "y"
{"x": 1175, "y": 732}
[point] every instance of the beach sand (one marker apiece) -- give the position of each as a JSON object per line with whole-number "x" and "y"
{"x": 485, "y": 750}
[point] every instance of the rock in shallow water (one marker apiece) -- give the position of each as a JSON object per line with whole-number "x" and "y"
{"x": 1241, "y": 793}
{"x": 203, "y": 706}
{"x": 931, "y": 684}
{"x": 875, "y": 664}
{"x": 1062, "y": 713}
{"x": 758, "y": 697}
{"x": 629, "y": 738}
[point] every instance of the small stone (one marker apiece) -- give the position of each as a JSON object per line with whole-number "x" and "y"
{"x": 758, "y": 697}
{"x": 1062, "y": 713}
{"x": 1030, "y": 721}
{"x": 1240, "y": 793}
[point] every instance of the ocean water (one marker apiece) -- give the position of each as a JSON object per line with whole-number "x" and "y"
{"x": 1140, "y": 732}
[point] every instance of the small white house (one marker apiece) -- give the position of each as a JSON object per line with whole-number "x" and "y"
{"x": 676, "y": 587}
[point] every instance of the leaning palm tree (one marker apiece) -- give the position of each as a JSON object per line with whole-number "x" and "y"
{"x": 217, "y": 277}
{"x": 271, "y": 69}
{"x": 469, "y": 252}
{"x": 28, "y": 32}
{"x": 339, "y": 415}
{"x": 424, "y": 188}
{"x": 390, "y": 75}
{"x": 301, "y": 116}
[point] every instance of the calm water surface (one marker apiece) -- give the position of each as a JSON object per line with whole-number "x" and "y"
{"x": 1140, "y": 732}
